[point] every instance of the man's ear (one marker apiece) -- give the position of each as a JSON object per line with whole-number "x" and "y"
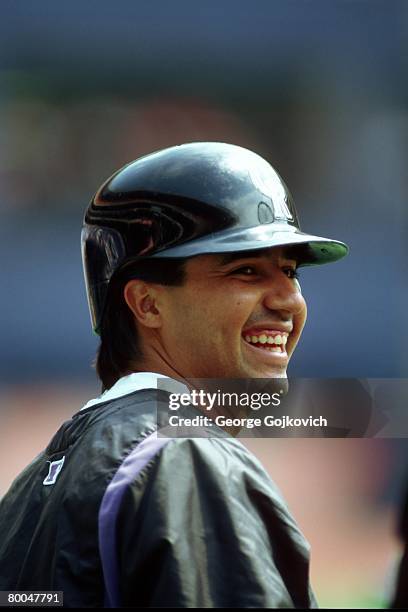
{"x": 141, "y": 297}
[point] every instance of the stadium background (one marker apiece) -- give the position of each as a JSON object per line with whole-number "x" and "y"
{"x": 317, "y": 87}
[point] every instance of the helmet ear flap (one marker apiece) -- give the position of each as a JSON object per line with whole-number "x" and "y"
{"x": 103, "y": 251}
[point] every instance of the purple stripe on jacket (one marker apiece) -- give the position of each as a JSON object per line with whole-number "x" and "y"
{"x": 108, "y": 512}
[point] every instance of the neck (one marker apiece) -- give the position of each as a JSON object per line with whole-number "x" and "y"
{"x": 155, "y": 365}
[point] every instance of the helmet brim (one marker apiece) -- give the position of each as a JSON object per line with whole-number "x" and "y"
{"x": 316, "y": 249}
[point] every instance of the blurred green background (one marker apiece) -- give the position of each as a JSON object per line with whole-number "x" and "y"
{"x": 319, "y": 88}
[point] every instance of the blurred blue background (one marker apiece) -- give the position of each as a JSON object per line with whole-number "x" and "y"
{"x": 318, "y": 87}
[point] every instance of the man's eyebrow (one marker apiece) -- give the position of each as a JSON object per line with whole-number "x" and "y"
{"x": 227, "y": 258}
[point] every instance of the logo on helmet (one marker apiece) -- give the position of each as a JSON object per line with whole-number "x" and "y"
{"x": 265, "y": 214}
{"x": 270, "y": 184}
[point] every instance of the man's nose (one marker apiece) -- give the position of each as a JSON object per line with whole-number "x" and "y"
{"x": 284, "y": 294}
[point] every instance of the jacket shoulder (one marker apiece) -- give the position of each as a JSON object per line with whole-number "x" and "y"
{"x": 209, "y": 499}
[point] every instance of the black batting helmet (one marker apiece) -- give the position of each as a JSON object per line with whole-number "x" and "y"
{"x": 192, "y": 199}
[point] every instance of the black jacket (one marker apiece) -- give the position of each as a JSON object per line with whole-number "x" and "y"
{"x": 132, "y": 519}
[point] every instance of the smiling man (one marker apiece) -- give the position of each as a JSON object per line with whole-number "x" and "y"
{"x": 234, "y": 316}
{"x": 190, "y": 258}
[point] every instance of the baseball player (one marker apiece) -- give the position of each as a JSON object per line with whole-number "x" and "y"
{"x": 190, "y": 257}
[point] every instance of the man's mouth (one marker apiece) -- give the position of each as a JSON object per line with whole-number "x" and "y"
{"x": 272, "y": 341}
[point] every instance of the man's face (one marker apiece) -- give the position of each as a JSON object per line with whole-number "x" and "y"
{"x": 237, "y": 316}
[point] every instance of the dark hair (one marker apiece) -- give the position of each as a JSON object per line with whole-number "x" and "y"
{"x": 120, "y": 345}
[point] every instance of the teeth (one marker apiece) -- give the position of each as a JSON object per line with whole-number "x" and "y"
{"x": 278, "y": 340}
{"x": 275, "y": 349}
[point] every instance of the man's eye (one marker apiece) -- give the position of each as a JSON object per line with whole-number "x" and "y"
{"x": 244, "y": 270}
{"x": 292, "y": 273}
